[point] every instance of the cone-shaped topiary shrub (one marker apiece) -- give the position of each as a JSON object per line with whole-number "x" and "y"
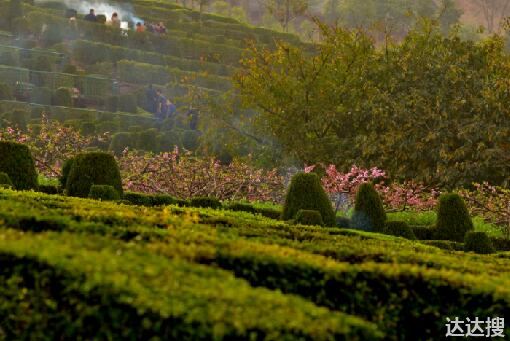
{"x": 66, "y": 168}
{"x": 309, "y": 217}
{"x": 205, "y": 202}
{"x": 478, "y": 242}
{"x": 95, "y": 168}
{"x": 17, "y": 162}
{"x": 5, "y": 181}
{"x": 369, "y": 214}
{"x": 306, "y": 193}
{"x": 453, "y": 220}
{"x": 399, "y": 229}
{"x": 103, "y": 192}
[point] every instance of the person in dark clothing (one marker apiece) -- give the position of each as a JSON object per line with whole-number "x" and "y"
{"x": 152, "y": 97}
{"x": 91, "y": 16}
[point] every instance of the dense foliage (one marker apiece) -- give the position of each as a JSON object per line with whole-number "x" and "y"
{"x": 429, "y": 108}
{"x": 478, "y": 242}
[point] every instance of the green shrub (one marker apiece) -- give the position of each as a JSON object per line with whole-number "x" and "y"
{"x": 66, "y": 168}
{"x": 121, "y": 141}
{"x": 48, "y": 189}
{"x": 399, "y": 229}
{"x": 453, "y": 220}
{"x": 308, "y": 217}
{"x": 127, "y": 103}
{"x": 478, "y": 242}
{"x": 70, "y": 69}
{"x": 270, "y": 213}
{"x": 369, "y": 214}
{"x": 343, "y": 222}
{"x": 17, "y": 118}
{"x": 17, "y": 162}
{"x": 205, "y": 202}
{"x": 182, "y": 203}
{"x": 41, "y": 63}
{"x": 242, "y": 207}
{"x": 103, "y": 192}
{"x": 190, "y": 140}
{"x": 107, "y": 127}
{"x": 41, "y": 95}
{"x": 94, "y": 168}
{"x": 500, "y": 244}
{"x": 5, "y": 92}
{"x": 140, "y": 199}
{"x": 423, "y": 232}
{"x": 87, "y": 128}
{"x": 62, "y": 97}
{"x": 147, "y": 140}
{"x": 5, "y": 181}
{"x": 163, "y": 200}
{"x": 306, "y": 193}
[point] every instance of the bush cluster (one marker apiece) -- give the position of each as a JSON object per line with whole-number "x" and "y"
{"x": 478, "y": 242}
{"x": 309, "y": 217}
{"x": 399, "y": 229}
{"x": 453, "y": 219}
{"x": 205, "y": 202}
{"x": 103, "y": 192}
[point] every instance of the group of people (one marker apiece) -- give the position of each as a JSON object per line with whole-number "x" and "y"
{"x": 159, "y": 105}
{"x": 159, "y": 28}
{"x": 152, "y": 28}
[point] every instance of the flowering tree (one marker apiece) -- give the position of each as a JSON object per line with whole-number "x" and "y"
{"x": 342, "y": 188}
{"x": 51, "y": 145}
{"x": 491, "y": 203}
{"x": 184, "y": 176}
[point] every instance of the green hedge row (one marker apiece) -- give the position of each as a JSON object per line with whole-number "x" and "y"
{"x": 143, "y": 73}
{"x": 77, "y": 287}
{"x": 90, "y": 52}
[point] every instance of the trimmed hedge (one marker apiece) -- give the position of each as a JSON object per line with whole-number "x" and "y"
{"x": 453, "y": 219}
{"x": 94, "y": 168}
{"x": 142, "y": 199}
{"x": 399, "y": 229}
{"x": 48, "y": 189}
{"x": 205, "y": 202}
{"x": 306, "y": 193}
{"x": 478, "y": 242}
{"x": 103, "y": 192}
{"x": 369, "y": 214}
{"x": 242, "y": 207}
{"x": 17, "y": 162}
{"x": 66, "y": 168}
{"x": 423, "y": 232}
{"x": 140, "y": 296}
{"x": 309, "y": 217}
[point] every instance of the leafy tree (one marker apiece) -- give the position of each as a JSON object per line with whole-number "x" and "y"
{"x": 284, "y": 11}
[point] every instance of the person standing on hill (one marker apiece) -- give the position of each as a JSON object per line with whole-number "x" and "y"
{"x": 115, "y": 20}
{"x": 91, "y": 16}
{"x": 140, "y": 27}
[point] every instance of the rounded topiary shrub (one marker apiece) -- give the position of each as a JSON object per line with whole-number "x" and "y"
{"x": 95, "y": 168}
{"x": 343, "y": 222}
{"x": 309, "y": 217}
{"x": 5, "y": 181}
{"x": 62, "y": 97}
{"x": 103, "y": 192}
{"x": 369, "y": 214}
{"x": 478, "y": 242}
{"x": 306, "y": 193}
{"x": 205, "y": 202}
{"x": 399, "y": 229}
{"x": 162, "y": 200}
{"x": 453, "y": 220}
{"x": 17, "y": 162}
